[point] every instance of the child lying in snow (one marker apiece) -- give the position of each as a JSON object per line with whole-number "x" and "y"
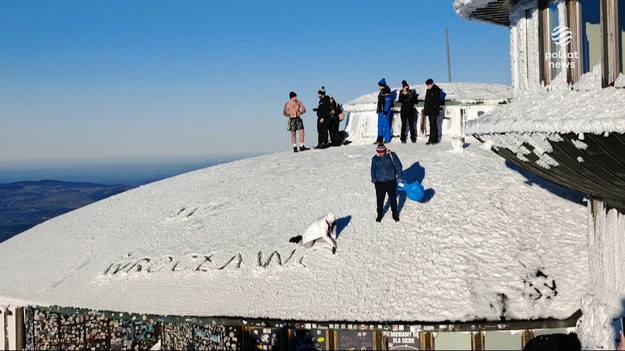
{"x": 321, "y": 232}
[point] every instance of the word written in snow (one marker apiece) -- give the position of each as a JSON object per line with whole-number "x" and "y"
{"x": 204, "y": 263}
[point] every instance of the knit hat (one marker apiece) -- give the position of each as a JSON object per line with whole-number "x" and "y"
{"x": 429, "y": 81}
{"x": 322, "y": 91}
{"x": 292, "y": 95}
{"x": 381, "y": 149}
{"x": 382, "y": 82}
{"x": 404, "y": 83}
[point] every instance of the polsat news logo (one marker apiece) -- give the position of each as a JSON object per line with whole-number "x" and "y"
{"x": 561, "y": 36}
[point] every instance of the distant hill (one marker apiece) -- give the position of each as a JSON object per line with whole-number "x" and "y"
{"x": 26, "y": 204}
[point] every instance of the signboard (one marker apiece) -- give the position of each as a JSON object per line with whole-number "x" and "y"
{"x": 397, "y": 340}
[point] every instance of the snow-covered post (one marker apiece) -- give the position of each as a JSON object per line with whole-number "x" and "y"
{"x": 3, "y": 322}
{"x": 605, "y": 299}
{"x": 11, "y": 328}
{"x": 456, "y": 129}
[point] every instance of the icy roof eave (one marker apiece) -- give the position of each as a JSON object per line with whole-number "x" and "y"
{"x": 491, "y": 11}
{"x": 560, "y": 111}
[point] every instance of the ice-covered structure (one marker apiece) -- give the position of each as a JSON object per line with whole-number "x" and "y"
{"x": 566, "y": 123}
{"x": 464, "y": 102}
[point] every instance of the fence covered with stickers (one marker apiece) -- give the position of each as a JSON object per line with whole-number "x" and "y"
{"x": 40, "y": 328}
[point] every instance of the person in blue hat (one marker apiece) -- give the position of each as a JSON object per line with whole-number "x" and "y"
{"x": 385, "y": 102}
{"x": 386, "y": 170}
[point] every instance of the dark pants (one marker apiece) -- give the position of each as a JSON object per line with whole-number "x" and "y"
{"x": 433, "y": 128}
{"x": 322, "y": 131}
{"x": 383, "y": 188}
{"x": 333, "y": 126}
{"x": 407, "y": 122}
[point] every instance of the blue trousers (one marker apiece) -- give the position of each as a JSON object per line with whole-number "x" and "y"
{"x": 384, "y": 127}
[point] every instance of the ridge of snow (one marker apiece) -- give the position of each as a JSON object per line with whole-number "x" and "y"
{"x": 556, "y": 111}
{"x": 215, "y": 242}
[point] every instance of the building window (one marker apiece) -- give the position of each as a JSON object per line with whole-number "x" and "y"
{"x": 550, "y": 53}
{"x": 590, "y": 34}
{"x": 555, "y": 67}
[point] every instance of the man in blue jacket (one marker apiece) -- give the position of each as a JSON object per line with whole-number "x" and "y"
{"x": 386, "y": 170}
{"x": 385, "y": 102}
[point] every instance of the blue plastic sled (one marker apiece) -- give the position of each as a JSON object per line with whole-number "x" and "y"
{"x": 414, "y": 191}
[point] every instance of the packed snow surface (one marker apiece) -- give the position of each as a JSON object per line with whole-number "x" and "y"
{"x": 486, "y": 243}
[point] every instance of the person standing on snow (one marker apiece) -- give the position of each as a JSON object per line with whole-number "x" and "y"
{"x": 408, "y": 99}
{"x": 386, "y": 170}
{"x": 335, "y": 138}
{"x": 385, "y": 102}
{"x": 323, "y": 118}
{"x": 294, "y": 109}
{"x": 431, "y": 109}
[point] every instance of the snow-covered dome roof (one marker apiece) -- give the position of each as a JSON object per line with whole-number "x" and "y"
{"x": 215, "y": 242}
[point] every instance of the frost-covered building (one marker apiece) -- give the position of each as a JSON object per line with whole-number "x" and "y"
{"x": 567, "y": 124}
{"x": 463, "y": 102}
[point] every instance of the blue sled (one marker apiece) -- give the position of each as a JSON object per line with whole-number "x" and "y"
{"x": 414, "y": 191}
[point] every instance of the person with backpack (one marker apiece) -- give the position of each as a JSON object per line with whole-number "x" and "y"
{"x": 408, "y": 99}
{"x": 294, "y": 109}
{"x": 386, "y": 170}
{"x": 431, "y": 109}
{"x": 385, "y": 102}
{"x": 323, "y": 118}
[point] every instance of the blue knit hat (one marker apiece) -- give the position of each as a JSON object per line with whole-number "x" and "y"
{"x": 382, "y": 82}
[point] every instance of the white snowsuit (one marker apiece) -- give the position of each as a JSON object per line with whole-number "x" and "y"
{"x": 321, "y": 232}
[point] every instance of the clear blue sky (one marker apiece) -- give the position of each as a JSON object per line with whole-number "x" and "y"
{"x": 171, "y": 79}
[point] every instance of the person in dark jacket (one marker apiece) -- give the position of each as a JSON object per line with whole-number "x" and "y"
{"x": 408, "y": 99}
{"x": 333, "y": 126}
{"x": 431, "y": 109}
{"x": 385, "y": 102}
{"x": 386, "y": 170}
{"x": 323, "y": 118}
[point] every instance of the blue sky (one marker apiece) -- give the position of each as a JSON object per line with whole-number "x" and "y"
{"x": 119, "y": 79}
